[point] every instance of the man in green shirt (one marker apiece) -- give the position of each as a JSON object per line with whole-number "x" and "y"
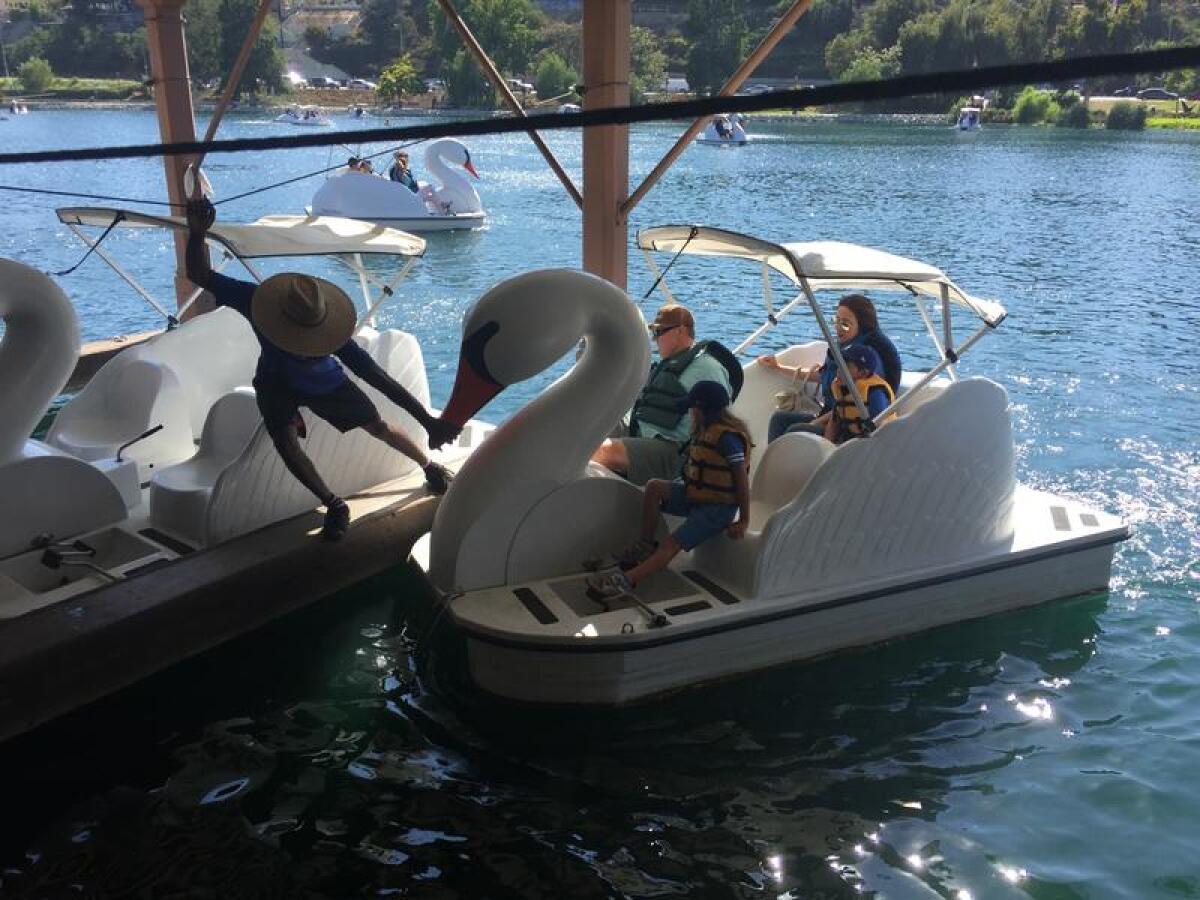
{"x": 652, "y": 444}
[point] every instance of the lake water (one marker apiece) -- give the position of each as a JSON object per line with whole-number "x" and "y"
{"x": 1050, "y": 754}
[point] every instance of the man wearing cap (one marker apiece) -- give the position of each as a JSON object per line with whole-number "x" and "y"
{"x": 400, "y": 173}
{"x": 657, "y": 429}
{"x": 302, "y": 323}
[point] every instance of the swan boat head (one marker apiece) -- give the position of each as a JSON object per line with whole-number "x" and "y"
{"x": 516, "y": 330}
{"x": 456, "y": 192}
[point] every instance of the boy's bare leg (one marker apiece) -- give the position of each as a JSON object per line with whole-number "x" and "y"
{"x": 656, "y": 492}
{"x": 299, "y": 464}
{"x": 659, "y": 559}
{"x": 613, "y": 456}
{"x": 397, "y": 440}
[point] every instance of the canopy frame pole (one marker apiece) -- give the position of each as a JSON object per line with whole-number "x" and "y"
{"x": 768, "y": 325}
{"x": 949, "y": 352}
{"x": 923, "y": 309}
{"x": 197, "y": 293}
{"x": 249, "y": 268}
{"x": 835, "y": 349}
{"x": 768, "y": 294}
{"x": 933, "y": 373}
{"x": 235, "y": 77}
{"x": 493, "y": 75}
{"x": 363, "y": 284}
{"x": 125, "y": 276}
{"x": 386, "y": 290}
{"x": 659, "y": 277}
{"x": 773, "y": 37}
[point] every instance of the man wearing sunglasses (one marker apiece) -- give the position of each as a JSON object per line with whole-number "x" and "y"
{"x": 650, "y": 446}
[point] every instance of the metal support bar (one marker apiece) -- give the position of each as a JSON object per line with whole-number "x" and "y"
{"x": 933, "y": 373}
{"x": 235, "y": 75}
{"x": 768, "y": 325}
{"x": 659, "y": 278}
{"x": 386, "y": 288}
{"x": 195, "y": 295}
{"x": 835, "y": 349}
{"x": 494, "y": 76}
{"x": 774, "y": 36}
{"x": 116, "y": 267}
{"x": 932, "y": 329}
{"x": 948, "y": 351}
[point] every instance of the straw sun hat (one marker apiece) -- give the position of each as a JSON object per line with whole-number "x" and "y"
{"x": 303, "y": 315}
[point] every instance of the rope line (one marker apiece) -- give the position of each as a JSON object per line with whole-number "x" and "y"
{"x": 848, "y": 92}
{"x": 100, "y": 240}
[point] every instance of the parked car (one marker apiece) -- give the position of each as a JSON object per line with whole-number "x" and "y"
{"x": 361, "y": 84}
{"x": 1157, "y": 93}
{"x": 323, "y": 81}
{"x": 1128, "y": 91}
{"x": 435, "y": 84}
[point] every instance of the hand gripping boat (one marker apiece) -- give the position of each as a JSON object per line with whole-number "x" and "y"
{"x": 920, "y": 525}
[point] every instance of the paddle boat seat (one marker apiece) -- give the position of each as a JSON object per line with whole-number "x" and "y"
{"x": 179, "y": 495}
{"x": 172, "y": 379}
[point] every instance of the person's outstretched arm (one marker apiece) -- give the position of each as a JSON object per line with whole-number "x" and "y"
{"x": 358, "y": 361}
{"x": 200, "y": 218}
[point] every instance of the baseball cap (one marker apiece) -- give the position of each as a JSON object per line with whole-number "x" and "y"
{"x": 672, "y": 316}
{"x": 865, "y": 356}
{"x": 709, "y": 396}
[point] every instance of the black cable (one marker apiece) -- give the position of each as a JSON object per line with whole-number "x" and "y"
{"x": 849, "y": 92}
{"x": 663, "y": 274}
{"x": 111, "y": 225}
{"x": 25, "y": 190}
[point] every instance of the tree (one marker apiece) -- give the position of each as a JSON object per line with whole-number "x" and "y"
{"x": 465, "y": 84}
{"x": 266, "y": 60}
{"x": 648, "y": 63}
{"x": 873, "y": 65}
{"x": 554, "y": 77}
{"x": 509, "y": 30}
{"x": 35, "y": 75}
{"x": 398, "y": 79}
{"x": 719, "y": 35}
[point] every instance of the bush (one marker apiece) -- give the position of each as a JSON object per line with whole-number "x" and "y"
{"x": 1126, "y": 116}
{"x": 553, "y": 77}
{"x": 398, "y": 79}
{"x": 1034, "y": 106}
{"x": 35, "y": 75}
{"x": 1074, "y": 116}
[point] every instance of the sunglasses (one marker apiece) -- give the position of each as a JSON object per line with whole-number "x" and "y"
{"x": 843, "y": 324}
{"x": 659, "y": 330}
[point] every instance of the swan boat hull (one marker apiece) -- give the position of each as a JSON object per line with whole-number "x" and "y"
{"x": 546, "y": 642}
{"x": 459, "y": 222}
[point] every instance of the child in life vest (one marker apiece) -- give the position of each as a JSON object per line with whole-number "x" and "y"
{"x": 713, "y": 493}
{"x": 845, "y": 421}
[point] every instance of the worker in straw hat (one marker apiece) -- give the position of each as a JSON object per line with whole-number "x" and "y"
{"x": 304, "y": 327}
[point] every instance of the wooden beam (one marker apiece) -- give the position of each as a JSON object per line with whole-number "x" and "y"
{"x": 173, "y": 103}
{"x": 774, "y": 36}
{"x": 606, "y": 27}
{"x": 493, "y": 74}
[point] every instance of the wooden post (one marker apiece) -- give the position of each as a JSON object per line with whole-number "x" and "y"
{"x": 173, "y": 103}
{"x": 606, "y": 28}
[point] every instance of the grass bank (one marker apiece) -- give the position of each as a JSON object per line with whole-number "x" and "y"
{"x": 78, "y": 89}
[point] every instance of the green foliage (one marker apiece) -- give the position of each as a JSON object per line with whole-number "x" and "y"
{"x": 719, "y": 37}
{"x": 554, "y": 77}
{"x": 648, "y": 63}
{"x": 35, "y": 75}
{"x": 465, "y": 84}
{"x": 1074, "y": 116}
{"x": 1126, "y": 117}
{"x": 1034, "y": 106}
{"x": 265, "y": 65}
{"x": 398, "y": 79}
{"x": 509, "y": 29}
{"x": 76, "y": 47}
{"x": 873, "y": 65}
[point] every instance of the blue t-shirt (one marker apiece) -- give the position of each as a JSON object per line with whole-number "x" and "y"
{"x": 304, "y": 374}
{"x": 877, "y": 401}
{"x": 733, "y": 448}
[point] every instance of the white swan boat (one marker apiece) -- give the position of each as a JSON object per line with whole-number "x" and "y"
{"x": 452, "y": 204}
{"x": 304, "y": 116}
{"x": 724, "y": 131}
{"x": 163, "y": 452}
{"x": 921, "y": 525}
{"x": 970, "y": 118}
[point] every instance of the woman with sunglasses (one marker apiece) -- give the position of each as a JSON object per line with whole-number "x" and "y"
{"x": 855, "y": 323}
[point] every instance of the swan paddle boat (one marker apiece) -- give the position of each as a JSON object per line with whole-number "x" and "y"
{"x": 452, "y": 204}
{"x": 163, "y": 452}
{"x": 970, "y": 118}
{"x": 304, "y": 116}
{"x": 724, "y": 131}
{"x": 920, "y": 525}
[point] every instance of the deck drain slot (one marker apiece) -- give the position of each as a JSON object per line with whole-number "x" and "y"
{"x": 1059, "y": 515}
{"x": 715, "y": 589}
{"x": 536, "y": 607}
{"x": 684, "y": 608}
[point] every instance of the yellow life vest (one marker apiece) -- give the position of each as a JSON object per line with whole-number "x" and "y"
{"x": 845, "y": 410}
{"x": 706, "y": 473}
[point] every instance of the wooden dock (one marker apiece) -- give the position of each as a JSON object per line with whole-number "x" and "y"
{"x": 62, "y": 657}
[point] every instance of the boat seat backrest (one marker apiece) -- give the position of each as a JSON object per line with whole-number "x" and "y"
{"x": 231, "y": 423}
{"x": 211, "y": 355}
{"x": 756, "y": 403}
{"x": 786, "y": 467}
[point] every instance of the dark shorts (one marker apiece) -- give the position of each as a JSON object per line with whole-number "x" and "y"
{"x": 346, "y": 407}
{"x": 703, "y": 520}
{"x": 652, "y": 458}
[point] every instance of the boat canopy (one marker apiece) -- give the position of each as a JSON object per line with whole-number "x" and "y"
{"x": 270, "y": 236}
{"x": 824, "y": 265}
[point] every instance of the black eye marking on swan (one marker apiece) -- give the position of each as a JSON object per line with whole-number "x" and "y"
{"x": 472, "y": 349}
